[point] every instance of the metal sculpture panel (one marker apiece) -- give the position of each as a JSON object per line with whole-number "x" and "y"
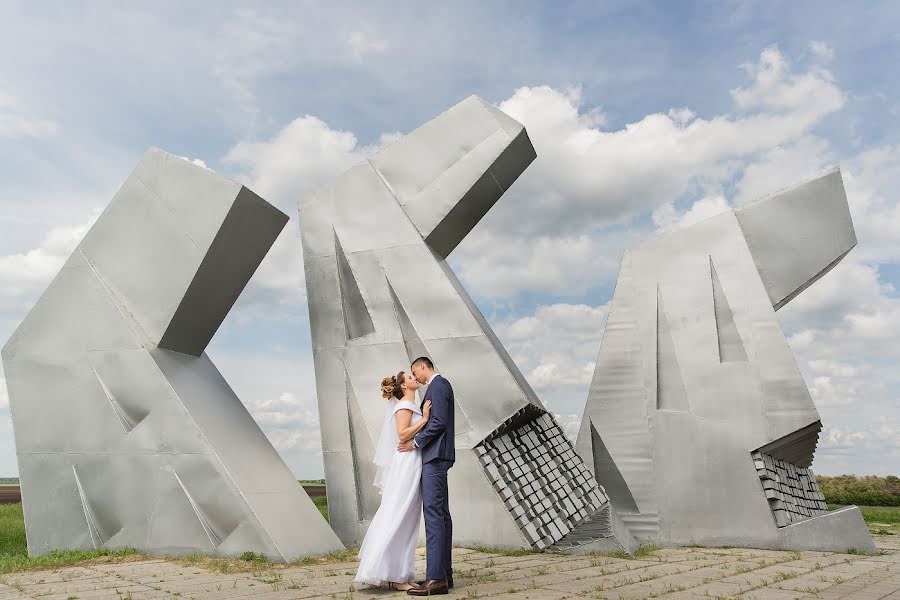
{"x": 698, "y": 422}
{"x": 380, "y": 294}
{"x": 126, "y": 433}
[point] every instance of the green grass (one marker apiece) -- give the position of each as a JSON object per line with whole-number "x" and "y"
{"x": 12, "y": 530}
{"x": 642, "y": 551}
{"x": 645, "y": 550}
{"x": 58, "y": 558}
{"x": 14, "y": 552}
{"x": 876, "y": 514}
{"x": 251, "y": 562}
{"x": 501, "y": 551}
{"x": 321, "y": 503}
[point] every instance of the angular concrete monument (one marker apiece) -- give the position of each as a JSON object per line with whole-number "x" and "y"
{"x": 698, "y": 423}
{"x": 380, "y": 294}
{"x": 126, "y": 433}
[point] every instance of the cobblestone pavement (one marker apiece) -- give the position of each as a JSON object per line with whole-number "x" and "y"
{"x": 674, "y": 574}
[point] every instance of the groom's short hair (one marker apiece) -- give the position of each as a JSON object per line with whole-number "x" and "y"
{"x": 423, "y": 360}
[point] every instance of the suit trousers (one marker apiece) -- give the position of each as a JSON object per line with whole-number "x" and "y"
{"x": 438, "y": 524}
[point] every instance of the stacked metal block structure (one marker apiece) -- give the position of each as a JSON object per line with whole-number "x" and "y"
{"x": 695, "y": 380}
{"x": 126, "y": 433}
{"x": 542, "y": 481}
{"x": 381, "y": 293}
{"x": 792, "y": 491}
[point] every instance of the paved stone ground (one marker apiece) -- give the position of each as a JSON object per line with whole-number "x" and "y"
{"x": 674, "y": 574}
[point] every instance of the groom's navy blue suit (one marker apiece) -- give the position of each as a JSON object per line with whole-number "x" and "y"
{"x": 438, "y": 454}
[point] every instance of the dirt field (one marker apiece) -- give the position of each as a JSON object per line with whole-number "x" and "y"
{"x": 9, "y": 494}
{"x": 315, "y": 491}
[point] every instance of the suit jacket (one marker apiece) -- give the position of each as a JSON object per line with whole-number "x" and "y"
{"x": 437, "y": 438}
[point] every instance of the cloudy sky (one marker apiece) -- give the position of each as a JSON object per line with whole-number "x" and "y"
{"x": 645, "y": 117}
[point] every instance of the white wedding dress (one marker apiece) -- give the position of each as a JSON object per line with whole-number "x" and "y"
{"x": 388, "y": 550}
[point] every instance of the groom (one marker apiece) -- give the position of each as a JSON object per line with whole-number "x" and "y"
{"x": 438, "y": 454}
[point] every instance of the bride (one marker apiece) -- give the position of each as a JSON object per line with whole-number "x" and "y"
{"x": 388, "y": 551}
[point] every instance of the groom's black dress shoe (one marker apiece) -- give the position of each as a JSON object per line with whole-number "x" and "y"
{"x": 449, "y": 582}
{"x": 432, "y": 587}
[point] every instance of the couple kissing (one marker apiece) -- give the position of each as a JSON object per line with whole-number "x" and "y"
{"x": 414, "y": 453}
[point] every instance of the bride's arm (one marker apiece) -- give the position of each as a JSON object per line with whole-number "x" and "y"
{"x": 405, "y": 431}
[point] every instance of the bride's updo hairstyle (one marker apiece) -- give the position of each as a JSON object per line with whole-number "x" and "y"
{"x": 390, "y": 386}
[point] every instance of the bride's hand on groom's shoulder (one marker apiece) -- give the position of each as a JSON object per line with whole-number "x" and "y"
{"x": 426, "y": 410}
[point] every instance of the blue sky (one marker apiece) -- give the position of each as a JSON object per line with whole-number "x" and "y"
{"x": 645, "y": 117}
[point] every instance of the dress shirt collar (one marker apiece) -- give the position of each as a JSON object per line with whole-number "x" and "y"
{"x": 430, "y": 379}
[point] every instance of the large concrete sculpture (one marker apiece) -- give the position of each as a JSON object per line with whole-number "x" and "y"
{"x": 380, "y": 294}
{"x": 698, "y": 422}
{"x": 126, "y": 433}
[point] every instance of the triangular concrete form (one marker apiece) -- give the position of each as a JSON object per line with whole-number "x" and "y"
{"x": 669, "y": 383}
{"x": 411, "y": 340}
{"x": 357, "y": 320}
{"x": 613, "y": 483}
{"x": 620, "y": 390}
{"x": 108, "y": 379}
{"x": 96, "y": 538}
{"x": 399, "y": 215}
{"x": 128, "y": 418}
{"x": 713, "y": 429}
{"x": 214, "y": 538}
{"x": 363, "y": 452}
{"x": 731, "y": 347}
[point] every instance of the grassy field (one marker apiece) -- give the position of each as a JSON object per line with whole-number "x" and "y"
{"x": 321, "y": 503}
{"x": 14, "y": 553}
{"x": 12, "y": 530}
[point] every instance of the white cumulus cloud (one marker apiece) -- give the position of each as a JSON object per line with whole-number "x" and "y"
{"x": 821, "y": 50}
{"x": 812, "y": 94}
{"x": 24, "y": 275}
{"x": 290, "y": 423}
{"x": 17, "y": 121}
{"x": 587, "y": 175}
{"x": 301, "y": 156}
{"x": 667, "y": 218}
{"x": 588, "y": 185}
{"x": 556, "y": 348}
